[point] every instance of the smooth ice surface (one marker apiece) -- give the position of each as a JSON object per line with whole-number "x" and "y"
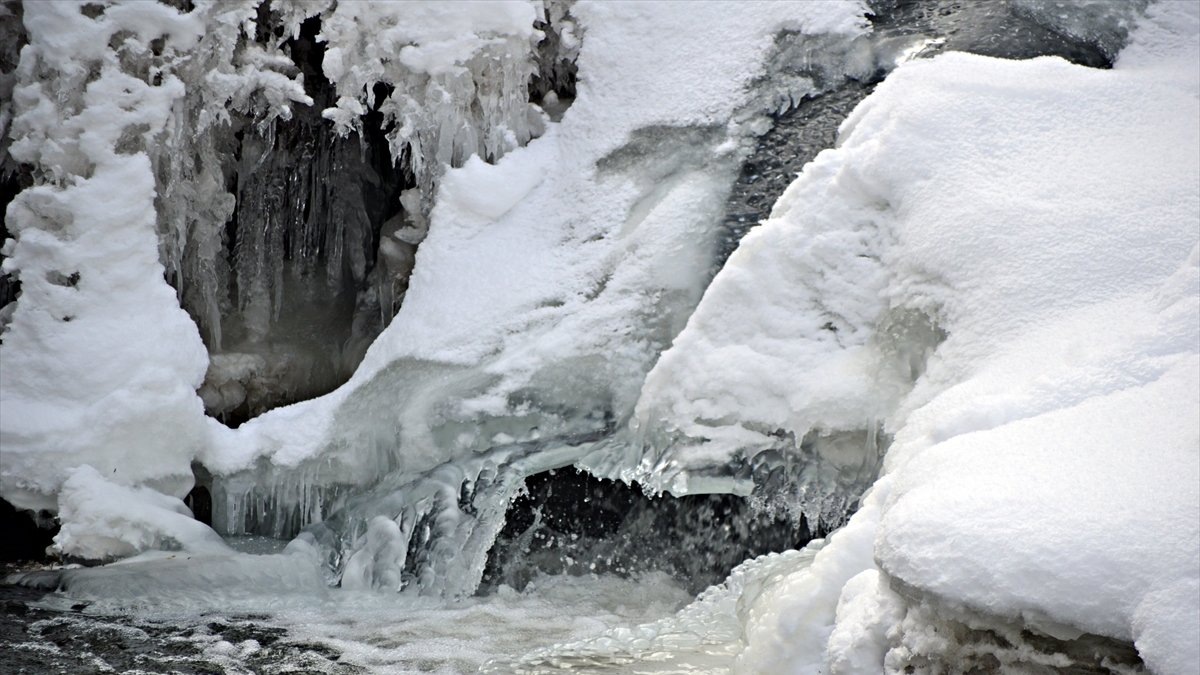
{"x": 1044, "y": 465}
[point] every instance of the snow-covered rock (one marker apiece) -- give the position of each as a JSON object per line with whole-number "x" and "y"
{"x": 1045, "y": 467}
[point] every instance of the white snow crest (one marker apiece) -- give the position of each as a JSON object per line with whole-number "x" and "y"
{"x": 103, "y": 520}
{"x": 1037, "y": 213}
{"x": 99, "y": 360}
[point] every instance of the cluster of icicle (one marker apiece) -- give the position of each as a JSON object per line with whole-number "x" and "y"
{"x": 242, "y": 79}
{"x": 166, "y": 113}
{"x": 232, "y": 79}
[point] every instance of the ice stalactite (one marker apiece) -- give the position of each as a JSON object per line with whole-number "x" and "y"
{"x": 299, "y": 253}
{"x": 445, "y": 98}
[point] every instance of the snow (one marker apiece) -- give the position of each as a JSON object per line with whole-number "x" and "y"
{"x": 866, "y": 611}
{"x": 617, "y": 66}
{"x": 100, "y": 364}
{"x": 1044, "y": 467}
{"x": 106, "y": 521}
{"x": 1057, "y": 470}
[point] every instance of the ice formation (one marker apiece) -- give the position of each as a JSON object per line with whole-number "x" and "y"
{"x": 128, "y": 113}
{"x": 569, "y": 264}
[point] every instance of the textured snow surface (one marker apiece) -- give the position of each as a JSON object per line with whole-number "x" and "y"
{"x": 100, "y": 363}
{"x": 103, "y": 520}
{"x": 1045, "y": 464}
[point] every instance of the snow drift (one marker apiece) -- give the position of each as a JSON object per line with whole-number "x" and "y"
{"x": 1043, "y": 217}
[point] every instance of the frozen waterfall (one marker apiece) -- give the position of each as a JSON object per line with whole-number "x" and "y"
{"x": 484, "y": 336}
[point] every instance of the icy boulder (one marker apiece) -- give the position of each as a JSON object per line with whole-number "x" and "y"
{"x": 1042, "y": 487}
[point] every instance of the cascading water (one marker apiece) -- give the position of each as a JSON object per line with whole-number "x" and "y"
{"x": 568, "y": 522}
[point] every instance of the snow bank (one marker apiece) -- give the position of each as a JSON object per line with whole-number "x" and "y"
{"x": 105, "y": 521}
{"x": 100, "y": 363}
{"x": 1044, "y": 468}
